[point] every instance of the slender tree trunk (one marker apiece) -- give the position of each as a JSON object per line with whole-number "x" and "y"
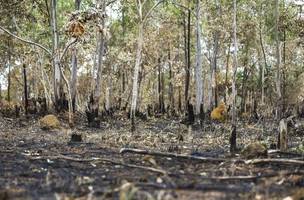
{"x": 188, "y": 58}
{"x": 226, "y": 75}
{"x": 278, "y": 64}
{"x": 244, "y": 81}
{"x": 171, "y": 91}
{"x": 263, "y": 66}
{"x": 163, "y": 91}
{"x": 98, "y": 80}
{"x": 9, "y": 80}
{"x": 214, "y": 68}
{"x": 45, "y": 81}
{"x": 25, "y": 90}
{"x": 234, "y": 92}
{"x": 93, "y": 104}
{"x": 108, "y": 93}
{"x": 160, "y": 103}
{"x": 140, "y": 40}
{"x": 179, "y": 99}
{"x": 58, "y": 89}
{"x": 198, "y": 68}
{"x": 73, "y": 81}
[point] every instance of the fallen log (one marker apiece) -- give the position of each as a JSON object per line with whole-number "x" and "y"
{"x": 172, "y": 155}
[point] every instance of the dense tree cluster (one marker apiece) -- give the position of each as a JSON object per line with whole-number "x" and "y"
{"x": 154, "y": 56}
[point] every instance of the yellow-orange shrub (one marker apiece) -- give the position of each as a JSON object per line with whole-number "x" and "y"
{"x": 219, "y": 113}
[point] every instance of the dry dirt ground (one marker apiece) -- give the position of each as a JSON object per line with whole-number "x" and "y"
{"x": 39, "y": 164}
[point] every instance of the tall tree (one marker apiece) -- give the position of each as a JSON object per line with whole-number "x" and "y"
{"x": 138, "y": 60}
{"x": 278, "y": 63}
{"x": 198, "y": 68}
{"x": 58, "y": 88}
{"x": 73, "y": 80}
{"x": 93, "y": 104}
{"x": 234, "y": 92}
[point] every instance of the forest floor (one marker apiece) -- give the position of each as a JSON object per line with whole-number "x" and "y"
{"x": 39, "y": 164}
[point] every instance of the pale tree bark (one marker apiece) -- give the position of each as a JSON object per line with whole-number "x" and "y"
{"x": 140, "y": 43}
{"x": 278, "y": 64}
{"x": 263, "y": 65}
{"x": 73, "y": 81}
{"x": 9, "y": 63}
{"x": 140, "y": 40}
{"x": 108, "y": 102}
{"x": 93, "y": 104}
{"x": 171, "y": 90}
{"x": 58, "y": 90}
{"x": 198, "y": 68}
{"x": 234, "y": 92}
{"x": 98, "y": 80}
{"x": 44, "y": 79}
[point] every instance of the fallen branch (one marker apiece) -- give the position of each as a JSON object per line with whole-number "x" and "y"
{"x": 273, "y": 160}
{"x": 196, "y": 187}
{"x": 98, "y": 160}
{"x": 172, "y": 155}
{"x": 228, "y": 178}
{"x": 276, "y": 151}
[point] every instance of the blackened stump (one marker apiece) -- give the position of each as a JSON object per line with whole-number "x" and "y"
{"x": 233, "y": 139}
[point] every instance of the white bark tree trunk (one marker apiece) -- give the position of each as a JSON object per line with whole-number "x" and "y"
{"x": 56, "y": 60}
{"x": 73, "y": 81}
{"x": 234, "y": 92}
{"x": 140, "y": 39}
{"x": 98, "y": 80}
{"x": 198, "y": 68}
{"x": 278, "y": 64}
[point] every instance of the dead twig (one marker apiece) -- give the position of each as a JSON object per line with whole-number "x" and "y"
{"x": 172, "y": 155}
{"x": 273, "y": 160}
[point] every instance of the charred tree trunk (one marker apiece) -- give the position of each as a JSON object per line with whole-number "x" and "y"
{"x": 74, "y": 78}
{"x": 25, "y": 90}
{"x": 214, "y": 68}
{"x": 179, "y": 100}
{"x": 9, "y": 81}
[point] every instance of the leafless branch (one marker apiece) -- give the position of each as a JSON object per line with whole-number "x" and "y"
{"x": 26, "y": 41}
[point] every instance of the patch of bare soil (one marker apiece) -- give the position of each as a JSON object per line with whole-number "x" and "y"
{"x": 180, "y": 162}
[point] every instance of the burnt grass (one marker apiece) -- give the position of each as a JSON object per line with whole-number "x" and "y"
{"x": 45, "y": 164}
